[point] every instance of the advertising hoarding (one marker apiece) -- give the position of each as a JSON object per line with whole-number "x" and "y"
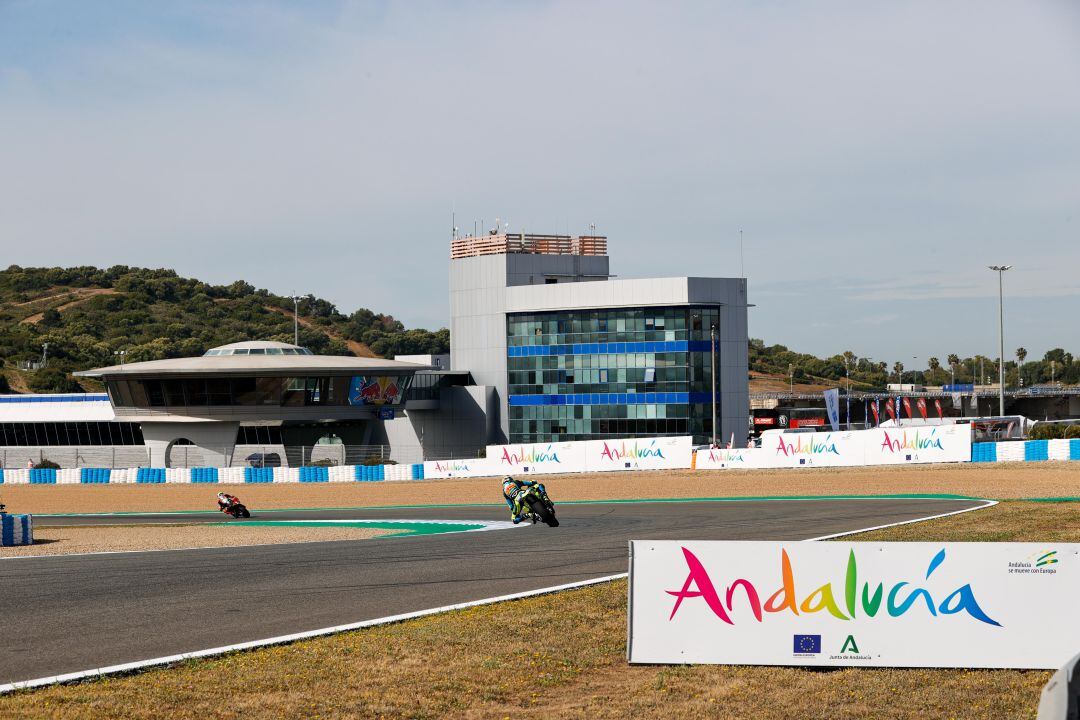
{"x": 535, "y": 458}
{"x": 638, "y": 454}
{"x": 988, "y": 605}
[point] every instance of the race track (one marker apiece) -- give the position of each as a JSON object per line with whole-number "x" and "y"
{"x": 72, "y": 613}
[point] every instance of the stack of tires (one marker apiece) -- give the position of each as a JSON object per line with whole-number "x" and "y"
{"x": 16, "y": 529}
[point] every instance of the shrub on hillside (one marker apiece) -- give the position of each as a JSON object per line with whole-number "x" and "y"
{"x": 46, "y": 464}
{"x": 1072, "y": 432}
{"x": 53, "y": 380}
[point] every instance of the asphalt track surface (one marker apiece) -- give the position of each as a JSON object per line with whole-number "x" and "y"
{"x": 64, "y": 614}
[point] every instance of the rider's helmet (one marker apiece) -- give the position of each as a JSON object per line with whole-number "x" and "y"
{"x": 222, "y": 497}
{"x": 509, "y": 486}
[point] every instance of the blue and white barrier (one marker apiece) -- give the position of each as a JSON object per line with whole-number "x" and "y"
{"x": 1026, "y": 451}
{"x": 785, "y": 450}
{"x": 16, "y": 529}
{"x": 212, "y": 475}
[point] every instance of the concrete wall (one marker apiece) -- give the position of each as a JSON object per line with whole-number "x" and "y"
{"x": 216, "y": 440}
{"x": 478, "y": 292}
{"x": 465, "y": 418}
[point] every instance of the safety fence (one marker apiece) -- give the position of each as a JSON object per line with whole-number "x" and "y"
{"x": 240, "y": 455}
{"x": 781, "y": 450}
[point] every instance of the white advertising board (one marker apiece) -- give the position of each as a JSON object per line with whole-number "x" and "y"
{"x": 537, "y": 458}
{"x": 817, "y": 449}
{"x": 638, "y": 454}
{"x": 470, "y": 467}
{"x": 724, "y": 459}
{"x": 903, "y": 604}
{"x": 897, "y": 446}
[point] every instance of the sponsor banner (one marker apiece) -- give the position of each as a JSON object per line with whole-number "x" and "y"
{"x": 828, "y": 449}
{"x": 724, "y": 459}
{"x": 940, "y": 443}
{"x": 901, "y": 604}
{"x": 638, "y": 454}
{"x": 536, "y": 458}
{"x": 471, "y": 467}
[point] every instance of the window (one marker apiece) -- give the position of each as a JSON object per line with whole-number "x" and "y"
{"x": 551, "y": 281}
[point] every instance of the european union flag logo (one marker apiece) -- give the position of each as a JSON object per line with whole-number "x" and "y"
{"x": 805, "y": 644}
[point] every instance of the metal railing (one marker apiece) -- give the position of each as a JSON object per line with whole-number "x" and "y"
{"x": 188, "y": 456}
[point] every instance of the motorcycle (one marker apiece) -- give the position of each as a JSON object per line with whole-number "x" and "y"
{"x": 237, "y": 509}
{"x": 537, "y": 505}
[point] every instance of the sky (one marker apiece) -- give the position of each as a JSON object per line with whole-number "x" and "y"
{"x": 877, "y": 156}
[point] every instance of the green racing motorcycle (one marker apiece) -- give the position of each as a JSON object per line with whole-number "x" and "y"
{"x": 535, "y": 504}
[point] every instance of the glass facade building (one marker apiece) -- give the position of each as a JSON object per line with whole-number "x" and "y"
{"x": 610, "y": 373}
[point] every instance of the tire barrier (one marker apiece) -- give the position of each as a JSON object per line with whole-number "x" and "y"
{"x": 16, "y": 529}
{"x": 94, "y": 475}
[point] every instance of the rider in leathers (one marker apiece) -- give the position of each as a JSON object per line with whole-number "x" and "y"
{"x": 511, "y": 488}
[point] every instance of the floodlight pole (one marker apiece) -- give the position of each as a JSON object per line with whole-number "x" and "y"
{"x": 712, "y": 335}
{"x": 1000, "y": 269}
{"x": 296, "y": 320}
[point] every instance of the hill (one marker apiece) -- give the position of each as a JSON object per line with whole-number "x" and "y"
{"x": 87, "y": 314}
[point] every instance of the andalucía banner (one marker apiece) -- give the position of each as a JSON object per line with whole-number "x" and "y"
{"x": 902, "y": 604}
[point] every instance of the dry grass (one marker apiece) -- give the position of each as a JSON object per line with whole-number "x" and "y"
{"x": 488, "y": 662}
{"x": 116, "y": 538}
{"x": 993, "y": 480}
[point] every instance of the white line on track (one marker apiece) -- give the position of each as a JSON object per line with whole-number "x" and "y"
{"x": 308, "y": 634}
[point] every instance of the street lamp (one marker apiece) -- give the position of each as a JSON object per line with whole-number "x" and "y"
{"x": 120, "y": 354}
{"x": 791, "y": 378}
{"x": 1000, "y": 270}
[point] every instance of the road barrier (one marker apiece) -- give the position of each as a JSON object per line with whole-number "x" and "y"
{"x": 879, "y": 446}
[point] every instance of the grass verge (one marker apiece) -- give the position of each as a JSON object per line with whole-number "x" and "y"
{"x": 488, "y": 662}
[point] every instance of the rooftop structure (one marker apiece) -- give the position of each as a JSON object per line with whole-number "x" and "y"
{"x": 527, "y": 244}
{"x": 259, "y": 347}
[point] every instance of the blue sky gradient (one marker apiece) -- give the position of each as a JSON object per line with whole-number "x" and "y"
{"x": 877, "y": 155}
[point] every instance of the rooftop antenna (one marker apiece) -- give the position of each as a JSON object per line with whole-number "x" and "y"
{"x": 453, "y": 224}
{"x": 474, "y": 228}
{"x": 592, "y": 229}
{"x": 742, "y": 267}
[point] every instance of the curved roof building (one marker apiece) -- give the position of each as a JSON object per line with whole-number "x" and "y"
{"x": 202, "y": 400}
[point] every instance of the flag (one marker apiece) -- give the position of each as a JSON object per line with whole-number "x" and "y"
{"x": 891, "y": 408}
{"x": 907, "y": 407}
{"x": 876, "y": 407}
{"x": 832, "y": 408}
{"x": 921, "y": 404}
{"x": 937, "y": 406}
{"x": 731, "y": 442}
{"x": 958, "y": 402}
{"x": 807, "y": 644}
